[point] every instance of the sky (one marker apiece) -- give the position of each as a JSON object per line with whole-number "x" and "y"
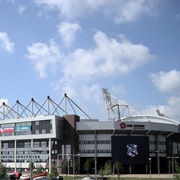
{"x": 79, "y": 47}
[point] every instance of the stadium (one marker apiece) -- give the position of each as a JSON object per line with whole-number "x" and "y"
{"x": 39, "y": 133}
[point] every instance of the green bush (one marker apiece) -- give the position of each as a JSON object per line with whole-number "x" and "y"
{"x": 2, "y": 171}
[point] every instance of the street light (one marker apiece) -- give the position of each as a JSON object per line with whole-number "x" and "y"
{"x": 158, "y": 161}
{"x": 172, "y": 162}
{"x": 150, "y": 167}
{"x": 74, "y": 155}
{"x": 31, "y": 161}
{"x": 68, "y": 156}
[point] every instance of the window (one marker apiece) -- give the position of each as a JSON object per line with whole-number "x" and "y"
{"x": 11, "y": 152}
{"x": 11, "y": 145}
{"x": 43, "y": 131}
{"x": 27, "y": 144}
{"x": 20, "y": 144}
{"x": 36, "y": 144}
{"x": 104, "y": 142}
{"x": 43, "y": 143}
{"x": 37, "y": 131}
{"x": 5, "y": 145}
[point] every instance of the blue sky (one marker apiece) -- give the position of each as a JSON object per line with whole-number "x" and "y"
{"x": 78, "y": 47}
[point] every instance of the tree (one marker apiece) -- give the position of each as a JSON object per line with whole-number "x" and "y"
{"x": 31, "y": 166}
{"x": 87, "y": 166}
{"x": 118, "y": 168}
{"x": 65, "y": 167}
{"x": 2, "y": 171}
{"x": 101, "y": 171}
{"x": 39, "y": 170}
{"x": 107, "y": 168}
{"x": 53, "y": 172}
{"x": 177, "y": 170}
{"x": 77, "y": 167}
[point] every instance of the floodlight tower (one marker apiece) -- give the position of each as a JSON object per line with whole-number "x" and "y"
{"x": 115, "y": 107}
{"x": 118, "y": 110}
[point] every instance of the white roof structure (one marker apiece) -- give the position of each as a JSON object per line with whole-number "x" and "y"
{"x": 151, "y": 118}
{"x": 118, "y": 110}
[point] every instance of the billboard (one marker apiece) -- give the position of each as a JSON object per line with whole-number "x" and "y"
{"x": 6, "y": 129}
{"x": 130, "y": 149}
{"x": 22, "y": 128}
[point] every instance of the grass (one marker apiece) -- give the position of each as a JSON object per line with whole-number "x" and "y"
{"x": 114, "y": 178}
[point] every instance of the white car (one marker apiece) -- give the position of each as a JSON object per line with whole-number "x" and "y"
{"x": 87, "y": 178}
{"x": 42, "y": 178}
{"x": 24, "y": 176}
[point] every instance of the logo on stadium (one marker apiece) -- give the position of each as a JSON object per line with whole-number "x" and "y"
{"x": 123, "y": 125}
{"x": 132, "y": 150}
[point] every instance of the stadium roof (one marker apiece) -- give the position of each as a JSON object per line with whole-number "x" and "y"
{"x": 151, "y": 118}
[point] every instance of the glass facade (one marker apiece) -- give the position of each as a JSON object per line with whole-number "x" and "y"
{"x": 23, "y": 146}
{"x": 26, "y": 128}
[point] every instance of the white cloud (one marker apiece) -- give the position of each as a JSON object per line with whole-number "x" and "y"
{"x": 44, "y": 57}
{"x": 6, "y": 43}
{"x": 174, "y": 106}
{"x": 21, "y": 9}
{"x": 119, "y": 11}
{"x": 90, "y": 93}
{"x": 170, "y": 110}
{"x": 68, "y": 31}
{"x": 167, "y": 81}
{"x": 131, "y": 10}
{"x": 93, "y": 95}
{"x": 109, "y": 58}
{"x": 118, "y": 89}
{"x": 71, "y": 9}
{"x": 3, "y": 100}
{"x": 66, "y": 85}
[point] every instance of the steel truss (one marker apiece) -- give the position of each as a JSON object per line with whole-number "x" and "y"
{"x": 33, "y": 108}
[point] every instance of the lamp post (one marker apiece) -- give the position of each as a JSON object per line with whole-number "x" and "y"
{"x": 31, "y": 161}
{"x": 158, "y": 161}
{"x": 30, "y": 164}
{"x": 68, "y": 157}
{"x": 150, "y": 167}
{"x": 74, "y": 155}
{"x": 172, "y": 162}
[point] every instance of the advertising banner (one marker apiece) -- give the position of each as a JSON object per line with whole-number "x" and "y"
{"x": 6, "y": 129}
{"x": 22, "y": 128}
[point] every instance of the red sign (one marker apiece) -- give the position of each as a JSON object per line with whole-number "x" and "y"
{"x": 6, "y": 129}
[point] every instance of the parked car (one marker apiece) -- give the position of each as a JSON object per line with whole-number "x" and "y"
{"x": 24, "y": 176}
{"x": 57, "y": 178}
{"x": 42, "y": 178}
{"x": 88, "y": 178}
